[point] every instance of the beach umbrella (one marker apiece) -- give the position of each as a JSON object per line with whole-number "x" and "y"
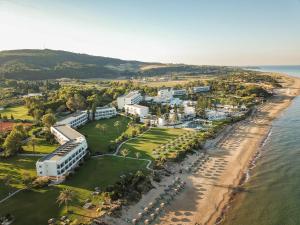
{"x": 134, "y": 221}
{"x": 162, "y": 204}
{"x": 146, "y": 209}
{"x": 152, "y": 215}
{"x": 150, "y": 204}
{"x": 157, "y": 210}
{"x": 146, "y": 222}
{"x": 140, "y": 215}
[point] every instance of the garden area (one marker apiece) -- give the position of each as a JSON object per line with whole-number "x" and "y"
{"x": 12, "y": 171}
{"x": 41, "y": 146}
{"x": 18, "y": 112}
{"x": 150, "y": 141}
{"x": 102, "y": 133}
{"x": 96, "y": 172}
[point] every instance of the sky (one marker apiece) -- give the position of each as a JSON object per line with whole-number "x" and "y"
{"x": 200, "y": 32}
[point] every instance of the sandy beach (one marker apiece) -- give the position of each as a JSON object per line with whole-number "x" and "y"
{"x": 209, "y": 188}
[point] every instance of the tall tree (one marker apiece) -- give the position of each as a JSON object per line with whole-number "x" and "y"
{"x": 49, "y": 120}
{"x": 65, "y": 196}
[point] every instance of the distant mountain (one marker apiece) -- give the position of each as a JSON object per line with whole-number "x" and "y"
{"x": 29, "y": 64}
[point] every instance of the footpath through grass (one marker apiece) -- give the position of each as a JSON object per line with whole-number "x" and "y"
{"x": 37, "y": 206}
{"x": 99, "y": 140}
{"x": 151, "y": 140}
{"x": 15, "y": 167}
{"x": 18, "y": 112}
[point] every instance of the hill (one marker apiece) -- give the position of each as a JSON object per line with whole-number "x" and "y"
{"x": 29, "y": 64}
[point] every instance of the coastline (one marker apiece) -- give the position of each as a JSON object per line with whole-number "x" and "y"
{"x": 209, "y": 191}
{"x": 210, "y": 207}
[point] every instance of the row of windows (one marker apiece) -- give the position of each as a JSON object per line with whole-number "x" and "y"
{"x": 77, "y": 122}
{"x": 70, "y": 158}
{"x": 70, "y": 164}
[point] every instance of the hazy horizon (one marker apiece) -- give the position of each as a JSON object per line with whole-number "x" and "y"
{"x": 230, "y": 33}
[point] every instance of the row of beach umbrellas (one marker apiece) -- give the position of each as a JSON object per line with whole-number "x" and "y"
{"x": 155, "y": 208}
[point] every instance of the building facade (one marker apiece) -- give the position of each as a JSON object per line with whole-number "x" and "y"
{"x": 178, "y": 92}
{"x": 75, "y": 120}
{"x": 137, "y": 110}
{"x": 66, "y": 157}
{"x": 201, "y": 89}
{"x": 134, "y": 97}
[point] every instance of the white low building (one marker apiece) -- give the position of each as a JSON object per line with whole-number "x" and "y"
{"x": 137, "y": 110}
{"x": 200, "y": 89}
{"x": 134, "y": 97}
{"x": 215, "y": 114}
{"x": 104, "y": 112}
{"x": 165, "y": 93}
{"x": 75, "y": 120}
{"x": 178, "y": 92}
{"x": 65, "y": 158}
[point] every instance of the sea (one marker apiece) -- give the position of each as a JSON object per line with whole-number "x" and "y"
{"x": 272, "y": 190}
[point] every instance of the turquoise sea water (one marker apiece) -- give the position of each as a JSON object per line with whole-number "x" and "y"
{"x": 272, "y": 195}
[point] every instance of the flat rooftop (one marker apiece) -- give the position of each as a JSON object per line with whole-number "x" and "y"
{"x": 67, "y": 131}
{"x": 61, "y": 151}
{"x": 73, "y": 115}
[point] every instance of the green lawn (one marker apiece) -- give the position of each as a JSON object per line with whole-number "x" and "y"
{"x": 37, "y": 206}
{"x": 15, "y": 167}
{"x": 151, "y": 140}
{"x": 99, "y": 140}
{"x": 41, "y": 147}
{"x": 19, "y": 112}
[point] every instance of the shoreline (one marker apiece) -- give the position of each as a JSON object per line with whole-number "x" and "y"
{"x": 211, "y": 188}
{"x": 213, "y": 209}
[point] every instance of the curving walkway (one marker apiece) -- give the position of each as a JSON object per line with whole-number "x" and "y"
{"x": 115, "y": 154}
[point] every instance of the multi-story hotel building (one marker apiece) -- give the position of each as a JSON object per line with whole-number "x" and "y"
{"x": 75, "y": 120}
{"x": 138, "y": 110}
{"x": 134, "y": 97}
{"x": 66, "y": 157}
{"x": 178, "y": 92}
{"x": 105, "y": 112}
{"x": 201, "y": 89}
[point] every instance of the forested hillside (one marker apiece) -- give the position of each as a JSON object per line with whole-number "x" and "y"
{"x": 52, "y": 64}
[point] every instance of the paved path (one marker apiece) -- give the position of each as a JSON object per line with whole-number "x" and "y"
{"x": 115, "y": 154}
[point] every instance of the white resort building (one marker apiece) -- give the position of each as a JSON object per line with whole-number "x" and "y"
{"x": 75, "y": 120}
{"x": 65, "y": 158}
{"x": 201, "y": 89}
{"x": 137, "y": 110}
{"x": 178, "y": 92}
{"x": 133, "y": 97}
{"x": 104, "y": 112}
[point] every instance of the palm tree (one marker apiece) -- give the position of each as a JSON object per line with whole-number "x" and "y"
{"x": 125, "y": 152}
{"x": 32, "y": 142}
{"x": 117, "y": 125}
{"x": 102, "y": 127}
{"x": 137, "y": 155}
{"x": 65, "y": 196}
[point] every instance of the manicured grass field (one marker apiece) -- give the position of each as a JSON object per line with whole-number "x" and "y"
{"x": 19, "y": 112}
{"x": 15, "y": 167}
{"x": 41, "y": 147}
{"x": 37, "y": 206}
{"x": 150, "y": 140}
{"x": 99, "y": 140}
